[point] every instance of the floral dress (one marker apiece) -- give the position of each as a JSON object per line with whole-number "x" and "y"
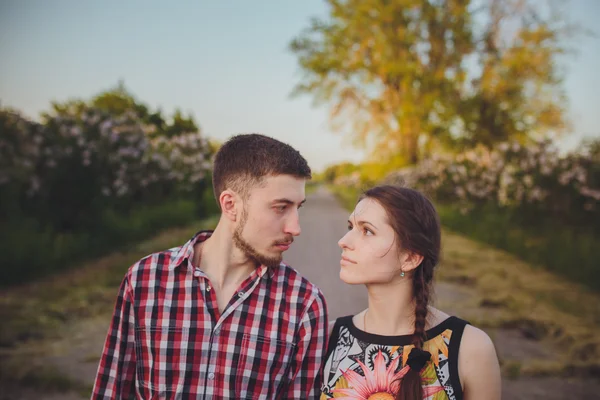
{"x": 362, "y": 366}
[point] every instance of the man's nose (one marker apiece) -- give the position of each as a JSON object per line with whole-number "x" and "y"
{"x": 293, "y": 225}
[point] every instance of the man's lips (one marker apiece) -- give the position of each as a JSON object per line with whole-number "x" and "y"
{"x": 284, "y": 245}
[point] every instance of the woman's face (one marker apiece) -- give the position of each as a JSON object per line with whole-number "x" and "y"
{"x": 370, "y": 249}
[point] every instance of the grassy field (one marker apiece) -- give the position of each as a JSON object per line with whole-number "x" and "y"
{"x": 509, "y": 294}
{"x": 38, "y": 313}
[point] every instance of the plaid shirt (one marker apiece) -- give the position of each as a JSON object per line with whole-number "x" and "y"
{"x": 168, "y": 340}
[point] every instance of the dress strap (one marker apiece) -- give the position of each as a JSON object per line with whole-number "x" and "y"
{"x": 335, "y": 333}
{"x": 458, "y": 327}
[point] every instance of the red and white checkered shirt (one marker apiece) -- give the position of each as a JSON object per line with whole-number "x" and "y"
{"x": 167, "y": 339}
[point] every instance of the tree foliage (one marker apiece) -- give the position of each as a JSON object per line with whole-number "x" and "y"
{"x": 415, "y": 75}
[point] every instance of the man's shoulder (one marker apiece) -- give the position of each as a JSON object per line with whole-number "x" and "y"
{"x": 166, "y": 260}
{"x": 153, "y": 263}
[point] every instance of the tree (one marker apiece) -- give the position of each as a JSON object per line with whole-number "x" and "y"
{"x": 115, "y": 101}
{"x": 180, "y": 125}
{"x": 400, "y": 71}
{"x": 118, "y": 101}
{"x": 518, "y": 92}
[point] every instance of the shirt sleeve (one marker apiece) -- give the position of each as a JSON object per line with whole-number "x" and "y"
{"x": 305, "y": 372}
{"x": 116, "y": 371}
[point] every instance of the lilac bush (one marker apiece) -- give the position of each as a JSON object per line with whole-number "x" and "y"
{"x": 84, "y": 158}
{"x": 510, "y": 175}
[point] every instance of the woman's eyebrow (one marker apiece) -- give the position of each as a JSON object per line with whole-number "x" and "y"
{"x": 361, "y": 222}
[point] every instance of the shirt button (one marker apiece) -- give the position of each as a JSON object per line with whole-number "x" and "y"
{"x": 197, "y": 273}
{"x": 240, "y": 294}
{"x": 211, "y": 376}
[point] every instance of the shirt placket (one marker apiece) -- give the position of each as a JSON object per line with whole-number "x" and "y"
{"x": 210, "y": 302}
{"x": 217, "y": 320}
{"x": 238, "y": 298}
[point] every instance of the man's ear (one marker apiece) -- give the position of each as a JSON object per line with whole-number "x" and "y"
{"x": 230, "y": 203}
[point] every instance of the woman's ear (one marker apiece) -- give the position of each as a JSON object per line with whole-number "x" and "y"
{"x": 411, "y": 261}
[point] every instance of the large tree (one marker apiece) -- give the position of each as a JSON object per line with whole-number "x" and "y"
{"x": 410, "y": 75}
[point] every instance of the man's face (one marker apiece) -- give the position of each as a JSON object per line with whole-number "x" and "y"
{"x": 270, "y": 219}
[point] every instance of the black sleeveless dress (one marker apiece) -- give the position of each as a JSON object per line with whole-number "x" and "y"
{"x": 359, "y": 365}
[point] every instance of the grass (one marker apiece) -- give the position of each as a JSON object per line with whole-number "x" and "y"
{"x": 43, "y": 378}
{"x": 510, "y": 293}
{"x": 32, "y": 250}
{"x": 347, "y": 196}
{"x": 35, "y": 312}
{"x": 573, "y": 252}
{"x": 311, "y": 187}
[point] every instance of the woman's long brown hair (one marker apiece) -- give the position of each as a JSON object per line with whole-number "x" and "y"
{"x": 416, "y": 224}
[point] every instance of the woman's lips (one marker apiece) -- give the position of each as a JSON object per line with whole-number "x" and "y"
{"x": 346, "y": 260}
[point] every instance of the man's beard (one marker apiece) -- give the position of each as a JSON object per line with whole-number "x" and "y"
{"x": 248, "y": 250}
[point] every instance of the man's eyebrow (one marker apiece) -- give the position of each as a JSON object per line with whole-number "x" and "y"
{"x": 287, "y": 201}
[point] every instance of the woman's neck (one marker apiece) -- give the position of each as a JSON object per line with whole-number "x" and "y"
{"x": 391, "y": 309}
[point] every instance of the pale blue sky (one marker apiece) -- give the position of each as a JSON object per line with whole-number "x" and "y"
{"x": 227, "y": 62}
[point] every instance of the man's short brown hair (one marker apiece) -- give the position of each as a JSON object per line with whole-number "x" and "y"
{"x": 245, "y": 160}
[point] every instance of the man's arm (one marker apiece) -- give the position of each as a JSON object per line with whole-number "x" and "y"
{"x": 116, "y": 371}
{"x": 305, "y": 372}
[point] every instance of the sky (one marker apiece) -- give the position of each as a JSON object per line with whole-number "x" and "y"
{"x": 225, "y": 62}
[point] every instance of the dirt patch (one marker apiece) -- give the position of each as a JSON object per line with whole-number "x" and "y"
{"x": 22, "y": 393}
{"x": 78, "y": 352}
{"x": 550, "y": 389}
{"x": 511, "y": 345}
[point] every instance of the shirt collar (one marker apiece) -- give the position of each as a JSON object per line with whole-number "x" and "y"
{"x": 186, "y": 252}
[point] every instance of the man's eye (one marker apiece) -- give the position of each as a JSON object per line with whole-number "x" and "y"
{"x": 280, "y": 208}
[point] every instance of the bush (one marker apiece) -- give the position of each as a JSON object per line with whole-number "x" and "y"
{"x": 570, "y": 252}
{"x": 533, "y": 181}
{"x": 88, "y": 180}
{"x": 31, "y": 251}
{"x": 528, "y": 200}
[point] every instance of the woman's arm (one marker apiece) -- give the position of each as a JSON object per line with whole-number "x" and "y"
{"x": 478, "y": 366}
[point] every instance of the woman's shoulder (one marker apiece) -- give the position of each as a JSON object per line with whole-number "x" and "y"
{"x": 478, "y": 364}
{"x": 438, "y": 321}
{"x": 476, "y": 343}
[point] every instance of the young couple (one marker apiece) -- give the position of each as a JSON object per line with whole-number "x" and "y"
{"x": 222, "y": 317}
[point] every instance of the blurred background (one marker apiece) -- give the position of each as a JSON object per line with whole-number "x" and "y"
{"x": 110, "y": 113}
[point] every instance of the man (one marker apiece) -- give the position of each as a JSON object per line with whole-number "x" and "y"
{"x": 222, "y": 316}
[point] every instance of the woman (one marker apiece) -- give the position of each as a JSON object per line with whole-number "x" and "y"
{"x": 400, "y": 347}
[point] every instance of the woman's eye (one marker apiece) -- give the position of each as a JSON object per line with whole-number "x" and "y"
{"x": 349, "y": 227}
{"x": 368, "y": 232}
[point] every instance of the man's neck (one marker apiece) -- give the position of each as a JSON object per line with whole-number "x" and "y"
{"x": 223, "y": 263}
